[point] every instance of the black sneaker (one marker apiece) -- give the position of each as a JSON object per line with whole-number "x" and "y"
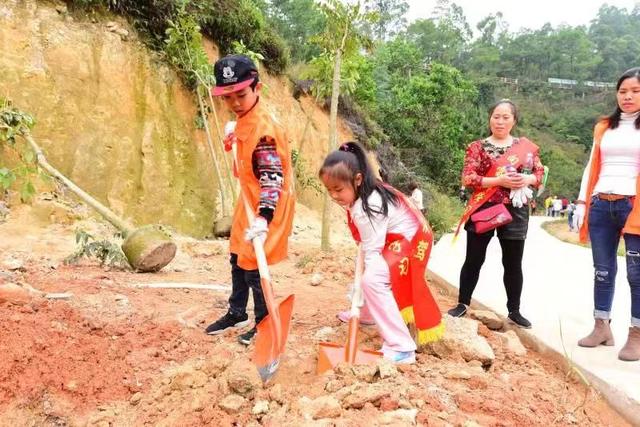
{"x": 458, "y": 311}
{"x": 247, "y": 337}
{"x": 519, "y": 320}
{"x": 226, "y": 322}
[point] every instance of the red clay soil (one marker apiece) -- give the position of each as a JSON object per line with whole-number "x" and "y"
{"x": 116, "y": 354}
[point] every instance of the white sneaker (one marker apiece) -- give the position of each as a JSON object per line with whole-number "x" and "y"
{"x": 400, "y": 357}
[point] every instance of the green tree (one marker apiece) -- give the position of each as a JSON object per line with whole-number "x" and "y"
{"x": 297, "y": 21}
{"x": 339, "y": 39}
{"x": 444, "y": 37}
{"x": 391, "y": 18}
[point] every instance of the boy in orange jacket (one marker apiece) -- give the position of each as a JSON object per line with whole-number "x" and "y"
{"x": 266, "y": 179}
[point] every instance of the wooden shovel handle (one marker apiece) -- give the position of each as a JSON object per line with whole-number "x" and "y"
{"x": 263, "y": 267}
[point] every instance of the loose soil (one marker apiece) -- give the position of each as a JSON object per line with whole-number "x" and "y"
{"x": 118, "y": 354}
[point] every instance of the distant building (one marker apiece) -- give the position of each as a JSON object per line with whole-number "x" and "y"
{"x": 570, "y": 84}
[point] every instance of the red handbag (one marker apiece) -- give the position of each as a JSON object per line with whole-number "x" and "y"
{"x": 490, "y": 218}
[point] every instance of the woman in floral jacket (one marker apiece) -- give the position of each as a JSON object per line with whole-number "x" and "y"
{"x": 499, "y": 170}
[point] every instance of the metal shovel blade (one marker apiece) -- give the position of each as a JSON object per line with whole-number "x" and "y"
{"x": 331, "y": 354}
{"x": 271, "y": 339}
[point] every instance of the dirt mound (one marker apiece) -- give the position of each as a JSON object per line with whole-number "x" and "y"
{"x": 115, "y": 353}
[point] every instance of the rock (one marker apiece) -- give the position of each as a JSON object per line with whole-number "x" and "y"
{"x": 10, "y": 292}
{"x": 462, "y": 339}
{"x": 197, "y": 404}
{"x": 323, "y": 334}
{"x": 404, "y": 416}
{"x": 232, "y": 404}
{"x": 61, "y": 9}
{"x": 325, "y": 407}
{"x": 243, "y": 378}
{"x": 490, "y": 319}
{"x": 365, "y": 373}
{"x": 333, "y": 386}
{"x": 71, "y": 386}
{"x": 136, "y": 398}
{"x": 124, "y": 34}
{"x": 222, "y": 227}
{"x": 316, "y": 279}
{"x": 512, "y": 343}
{"x": 13, "y": 264}
{"x": 389, "y": 404}
{"x": 214, "y": 366}
{"x": 261, "y": 407}
{"x": 277, "y": 394}
{"x": 387, "y": 369}
{"x": 321, "y": 407}
{"x": 470, "y": 423}
{"x": 457, "y": 374}
{"x": 362, "y": 395}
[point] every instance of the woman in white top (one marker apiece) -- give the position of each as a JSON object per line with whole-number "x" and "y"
{"x": 416, "y": 196}
{"x": 608, "y": 207}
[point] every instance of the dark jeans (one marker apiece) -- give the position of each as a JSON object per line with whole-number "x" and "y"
{"x": 512, "y": 251}
{"x": 243, "y": 280}
{"x": 606, "y": 221}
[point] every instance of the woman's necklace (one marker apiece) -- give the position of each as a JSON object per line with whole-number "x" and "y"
{"x": 501, "y": 143}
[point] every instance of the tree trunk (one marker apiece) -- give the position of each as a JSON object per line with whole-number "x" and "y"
{"x": 147, "y": 249}
{"x": 102, "y": 209}
{"x": 325, "y": 243}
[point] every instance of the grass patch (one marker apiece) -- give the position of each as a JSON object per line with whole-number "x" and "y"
{"x": 560, "y": 230}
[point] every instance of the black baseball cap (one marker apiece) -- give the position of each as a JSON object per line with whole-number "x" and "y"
{"x": 233, "y": 73}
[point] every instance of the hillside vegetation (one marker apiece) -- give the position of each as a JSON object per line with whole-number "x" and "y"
{"x": 423, "y": 88}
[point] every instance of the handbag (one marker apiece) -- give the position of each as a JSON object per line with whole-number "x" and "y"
{"x": 490, "y": 218}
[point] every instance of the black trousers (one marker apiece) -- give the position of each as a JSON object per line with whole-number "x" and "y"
{"x": 512, "y": 251}
{"x": 242, "y": 280}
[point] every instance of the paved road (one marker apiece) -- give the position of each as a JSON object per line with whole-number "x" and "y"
{"x": 558, "y": 287}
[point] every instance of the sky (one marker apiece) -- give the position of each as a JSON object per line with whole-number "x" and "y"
{"x": 520, "y": 14}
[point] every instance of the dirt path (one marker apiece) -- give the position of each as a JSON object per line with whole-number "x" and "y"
{"x": 117, "y": 354}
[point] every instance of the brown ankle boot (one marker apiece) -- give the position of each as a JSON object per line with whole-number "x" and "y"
{"x": 601, "y": 334}
{"x": 631, "y": 350}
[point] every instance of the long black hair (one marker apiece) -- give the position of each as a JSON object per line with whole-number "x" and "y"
{"x": 614, "y": 118}
{"x": 345, "y": 164}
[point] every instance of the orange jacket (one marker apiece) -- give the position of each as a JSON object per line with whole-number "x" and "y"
{"x": 254, "y": 125}
{"x": 632, "y": 226}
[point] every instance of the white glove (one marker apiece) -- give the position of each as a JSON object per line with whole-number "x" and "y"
{"x": 229, "y": 127}
{"x": 578, "y": 215}
{"x": 258, "y": 229}
{"x": 519, "y": 197}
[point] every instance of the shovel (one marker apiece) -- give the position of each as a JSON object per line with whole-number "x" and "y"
{"x": 331, "y": 354}
{"x": 273, "y": 330}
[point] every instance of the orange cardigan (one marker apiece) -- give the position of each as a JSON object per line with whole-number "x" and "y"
{"x": 632, "y": 226}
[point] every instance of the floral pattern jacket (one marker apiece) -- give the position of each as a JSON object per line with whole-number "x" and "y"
{"x": 480, "y": 157}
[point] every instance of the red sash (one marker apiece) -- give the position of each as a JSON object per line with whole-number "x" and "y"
{"x": 407, "y": 261}
{"x": 516, "y": 156}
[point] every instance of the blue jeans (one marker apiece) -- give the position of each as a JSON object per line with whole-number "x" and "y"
{"x": 606, "y": 221}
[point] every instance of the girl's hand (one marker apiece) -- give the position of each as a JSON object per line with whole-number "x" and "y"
{"x": 513, "y": 181}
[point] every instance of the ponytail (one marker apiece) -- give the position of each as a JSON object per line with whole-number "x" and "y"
{"x": 348, "y": 161}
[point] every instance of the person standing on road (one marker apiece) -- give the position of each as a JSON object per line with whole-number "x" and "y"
{"x": 609, "y": 207}
{"x": 571, "y": 208}
{"x": 548, "y": 204}
{"x": 499, "y": 170}
{"x": 416, "y": 196}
